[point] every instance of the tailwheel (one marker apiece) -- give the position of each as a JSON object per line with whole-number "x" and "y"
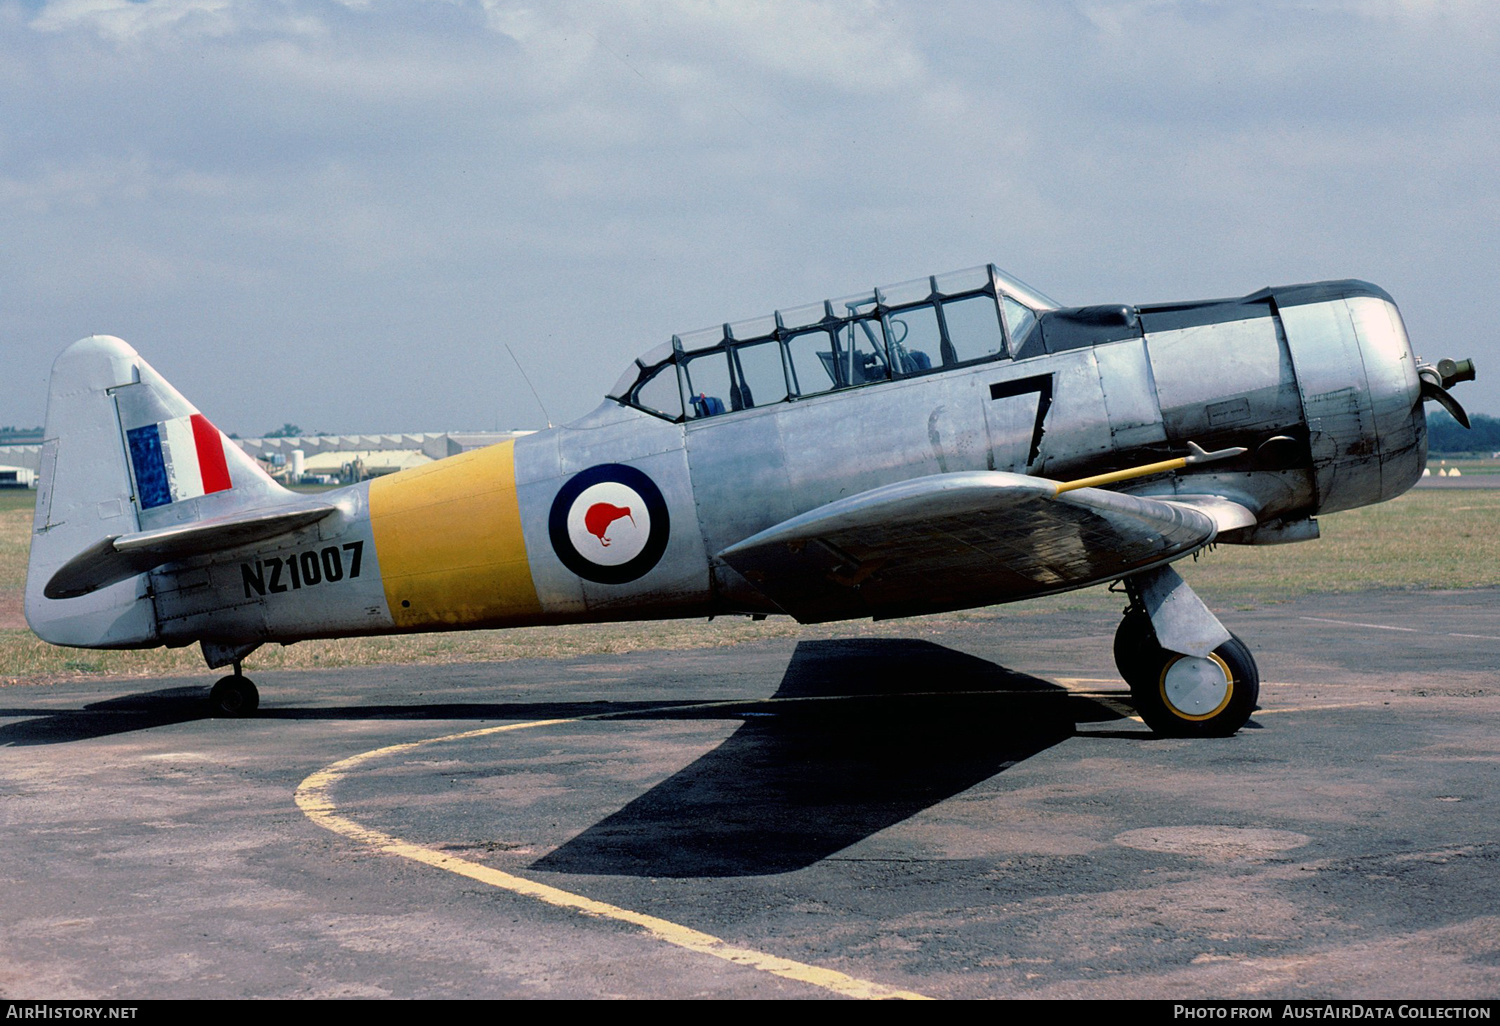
{"x": 233, "y": 696}
{"x": 1181, "y": 695}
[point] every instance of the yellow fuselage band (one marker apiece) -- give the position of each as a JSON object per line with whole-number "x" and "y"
{"x": 448, "y": 537}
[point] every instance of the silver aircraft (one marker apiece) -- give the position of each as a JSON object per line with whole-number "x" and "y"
{"x": 951, "y": 442}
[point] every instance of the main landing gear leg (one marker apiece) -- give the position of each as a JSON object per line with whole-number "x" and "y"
{"x": 1188, "y": 675}
{"x": 234, "y": 695}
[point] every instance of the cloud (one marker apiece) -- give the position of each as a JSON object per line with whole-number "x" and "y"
{"x": 388, "y": 189}
{"x": 128, "y": 21}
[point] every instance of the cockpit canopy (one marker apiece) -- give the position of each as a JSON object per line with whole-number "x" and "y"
{"x": 916, "y": 327}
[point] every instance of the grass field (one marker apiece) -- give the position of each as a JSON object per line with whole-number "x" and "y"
{"x": 1425, "y": 539}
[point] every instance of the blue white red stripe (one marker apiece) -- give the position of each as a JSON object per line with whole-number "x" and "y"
{"x": 177, "y": 459}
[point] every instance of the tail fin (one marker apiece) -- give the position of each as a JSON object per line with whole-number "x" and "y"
{"x": 125, "y": 458}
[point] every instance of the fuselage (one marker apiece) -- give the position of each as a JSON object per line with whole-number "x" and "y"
{"x": 1318, "y": 382}
{"x": 721, "y": 435}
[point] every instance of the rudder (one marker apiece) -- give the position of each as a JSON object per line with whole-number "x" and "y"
{"x": 123, "y": 452}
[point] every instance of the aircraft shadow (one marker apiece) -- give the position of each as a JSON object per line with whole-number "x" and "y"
{"x": 818, "y": 670}
{"x": 882, "y": 730}
{"x": 143, "y": 711}
{"x": 170, "y": 706}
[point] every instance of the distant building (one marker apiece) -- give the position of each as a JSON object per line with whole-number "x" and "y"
{"x": 17, "y": 477}
{"x": 326, "y": 459}
{"x": 345, "y": 459}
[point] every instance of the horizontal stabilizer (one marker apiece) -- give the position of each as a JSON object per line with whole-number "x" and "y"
{"x": 995, "y": 536}
{"x": 120, "y": 557}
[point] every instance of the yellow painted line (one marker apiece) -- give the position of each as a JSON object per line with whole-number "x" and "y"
{"x": 1119, "y": 708}
{"x": 1069, "y": 682}
{"x": 314, "y": 800}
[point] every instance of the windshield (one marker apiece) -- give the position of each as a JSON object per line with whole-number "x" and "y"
{"x": 1019, "y": 290}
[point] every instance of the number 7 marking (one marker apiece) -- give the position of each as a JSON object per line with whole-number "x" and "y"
{"x": 1041, "y": 384}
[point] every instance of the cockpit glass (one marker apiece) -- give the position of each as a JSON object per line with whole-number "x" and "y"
{"x": 970, "y": 279}
{"x": 811, "y": 356}
{"x": 860, "y": 349}
{"x": 703, "y": 338}
{"x": 1025, "y": 340}
{"x": 916, "y": 339}
{"x": 659, "y": 392}
{"x": 853, "y": 306}
{"x": 919, "y": 290}
{"x": 803, "y": 316}
{"x": 709, "y": 390}
{"x": 973, "y": 328}
{"x": 626, "y": 382}
{"x": 757, "y": 368}
{"x": 755, "y": 327}
{"x": 910, "y": 328}
{"x": 1027, "y": 295}
{"x": 644, "y": 367}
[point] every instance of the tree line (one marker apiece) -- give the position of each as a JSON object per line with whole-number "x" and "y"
{"x": 1444, "y": 434}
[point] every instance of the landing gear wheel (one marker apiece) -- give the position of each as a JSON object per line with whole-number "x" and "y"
{"x": 1181, "y": 695}
{"x": 233, "y": 696}
{"x": 1137, "y": 655}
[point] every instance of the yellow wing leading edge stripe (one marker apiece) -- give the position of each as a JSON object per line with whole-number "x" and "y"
{"x": 450, "y": 545}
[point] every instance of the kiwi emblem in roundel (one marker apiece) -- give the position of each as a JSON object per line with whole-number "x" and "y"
{"x": 609, "y": 524}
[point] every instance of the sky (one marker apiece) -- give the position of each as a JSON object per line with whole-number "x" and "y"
{"x": 341, "y": 214}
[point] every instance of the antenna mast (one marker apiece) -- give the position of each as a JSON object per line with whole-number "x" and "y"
{"x": 529, "y": 385}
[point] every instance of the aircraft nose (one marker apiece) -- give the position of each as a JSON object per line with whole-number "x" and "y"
{"x": 1389, "y": 361}
{"x": 1399, "y": 426}
{"x": 1361, "y": 395}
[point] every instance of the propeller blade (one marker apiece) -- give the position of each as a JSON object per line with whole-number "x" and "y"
{"x": 1440, "y": 395}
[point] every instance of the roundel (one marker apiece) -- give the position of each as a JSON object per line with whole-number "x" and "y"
{"x": 609, "y": 524}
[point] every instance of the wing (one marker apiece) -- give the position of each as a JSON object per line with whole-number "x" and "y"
{"x": 120, "y": 557}
{"x": 952, "y": 541}
{"x": 1226, "y": 514}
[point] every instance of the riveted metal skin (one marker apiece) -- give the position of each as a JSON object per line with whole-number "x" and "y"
{"x": 1357, "y": 378}
{"x": 678, "y": 583}
{"x": 633, "y": 514}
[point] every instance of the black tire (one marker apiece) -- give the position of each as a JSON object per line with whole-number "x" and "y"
{"x": 1193, "y": 712}
{"x": 233, "y": 696}
{"x": 1137, "y": 655}
{"x": 1174, "y": 705}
